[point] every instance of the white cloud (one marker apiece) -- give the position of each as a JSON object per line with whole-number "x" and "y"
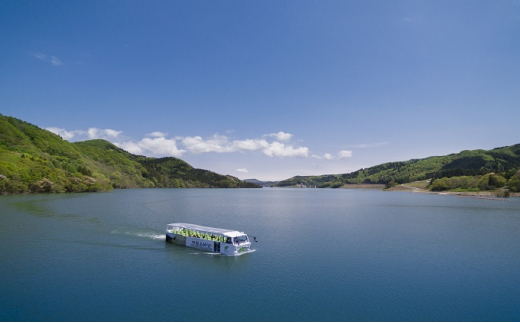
{"x": 108, "y": 134}
{"x": 326, "y": 156}
{"x": 67, "y": 135}
{"x": 282, "y": 136}
{"x": 91, "y": 133}
{"x": 131, "y": 147}
{"x": 216, "y": 144}
{"x": 157, "y": 146}
{"x": 55, "y": 61}
{"x": 40, "y": 56}
{"x": 222, "y": 144}
{"x": 161, "y": 146}
{"x": 156, "y": 143}
{"x": 281, "y": 150}
{"x": 157, "y": 134}
{"x": 250, "y": 144}
{"x": 242, "y": 170}
{"x": 345, "y": 154}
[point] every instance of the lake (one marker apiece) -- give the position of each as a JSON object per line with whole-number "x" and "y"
{"x": 322, "y": 255}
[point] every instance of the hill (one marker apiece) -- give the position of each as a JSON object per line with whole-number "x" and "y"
{"x": 34, "y": 160}
{"x": 261, "y": 183}
{"x": 468, "y": 170}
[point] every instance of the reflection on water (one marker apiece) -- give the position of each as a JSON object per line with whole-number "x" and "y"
{"x": 322, "y": 255}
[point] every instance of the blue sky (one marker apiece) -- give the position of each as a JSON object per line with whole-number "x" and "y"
{"x": 267, "y": 89}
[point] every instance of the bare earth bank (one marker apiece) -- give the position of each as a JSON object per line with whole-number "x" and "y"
{"x": 409, "y": 188}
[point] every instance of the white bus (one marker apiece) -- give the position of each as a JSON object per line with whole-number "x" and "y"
{"x": 223, "y": 241}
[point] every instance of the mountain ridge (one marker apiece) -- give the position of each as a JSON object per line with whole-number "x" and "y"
{"x": 35, "y": 160}
{"x": 502, "y": 163}
{"x": 262, "y": 183}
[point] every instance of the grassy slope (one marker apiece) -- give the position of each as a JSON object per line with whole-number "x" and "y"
{"x": 117, "y": 166}
{"x": 36, "y": 160}
{"x": 33, "y": 160}
{"x": 142, "y": 171}
{"x": 504, "y": 160}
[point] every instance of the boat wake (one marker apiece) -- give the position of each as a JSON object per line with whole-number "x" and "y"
{"x": 243, "y": 253}
{"x": 205, "y": 253}
{"x": 220, "y": 254}
{"x": 153, "y": 236}
{"x": 142, "y": 234}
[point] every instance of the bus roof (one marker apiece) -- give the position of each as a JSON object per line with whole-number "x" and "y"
{"x": 196, "y": 227}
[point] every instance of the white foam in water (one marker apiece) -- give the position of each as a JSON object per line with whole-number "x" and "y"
{"x": 148, "y": 234}
{"x": 204, "y": 253}
{"x": 219, "y": 254}
{"x": 152, "y": 235}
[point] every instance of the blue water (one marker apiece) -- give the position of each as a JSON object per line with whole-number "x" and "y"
{"x": 322, "y": 255}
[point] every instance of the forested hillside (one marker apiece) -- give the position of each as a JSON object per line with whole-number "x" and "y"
{"x": 33, "y": 160}
{"x": 469, "y": 170}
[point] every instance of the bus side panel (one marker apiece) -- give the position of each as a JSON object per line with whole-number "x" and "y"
{"x": 180, "y": 239}
{"x": 200, "y": 243}
{"x": 227, "y": 249}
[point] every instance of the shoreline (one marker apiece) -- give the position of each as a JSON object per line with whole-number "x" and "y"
{"x": 481, "y": 194}
{"x": 369, "y": 186}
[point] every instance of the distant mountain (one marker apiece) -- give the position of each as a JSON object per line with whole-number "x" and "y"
{"x": 261, "y": 183}
{"x": 34, "y": 160}
{"x": 504, "y": 162}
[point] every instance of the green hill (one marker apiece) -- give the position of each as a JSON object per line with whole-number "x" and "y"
{"x": 469, "y": 168}
{"x": 34, "y": 160}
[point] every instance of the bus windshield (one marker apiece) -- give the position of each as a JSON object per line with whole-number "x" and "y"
{"x": 241, "y": 239}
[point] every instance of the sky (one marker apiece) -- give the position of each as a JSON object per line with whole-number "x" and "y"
{"x": 267, "y": 89}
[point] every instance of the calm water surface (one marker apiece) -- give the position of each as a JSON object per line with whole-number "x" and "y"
{"x": 322, "y": 255}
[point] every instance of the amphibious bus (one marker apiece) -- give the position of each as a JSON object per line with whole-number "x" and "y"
{"x": 222, "y": 241}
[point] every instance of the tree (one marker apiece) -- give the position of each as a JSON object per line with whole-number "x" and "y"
{"x": 440, "y": 185}
{"x": 497, "y": 181}
{"x": 514, "y": 182}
